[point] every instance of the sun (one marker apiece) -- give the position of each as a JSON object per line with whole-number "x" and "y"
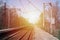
{"x": 32, "y": 17}
{"x": 31, "y": 14}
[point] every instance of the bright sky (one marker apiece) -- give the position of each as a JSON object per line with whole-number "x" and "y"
{"x": 29, "y": 11}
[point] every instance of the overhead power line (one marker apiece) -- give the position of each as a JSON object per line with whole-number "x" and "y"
{"x": 33, "y": 5}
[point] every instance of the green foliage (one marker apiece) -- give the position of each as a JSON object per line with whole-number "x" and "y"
{"x": 59, "y": 34}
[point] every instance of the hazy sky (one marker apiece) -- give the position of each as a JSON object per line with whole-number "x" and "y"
{"x": 24, "y": 3}
{"x": 33, "y": 6}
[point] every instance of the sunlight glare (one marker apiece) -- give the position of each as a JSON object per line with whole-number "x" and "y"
{"x": 31, "y": 14}
{"x": 32, "y": 17}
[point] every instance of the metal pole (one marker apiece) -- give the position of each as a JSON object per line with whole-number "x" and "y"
{"x": 43, "y": 14}
{"x": 51, "y": 21}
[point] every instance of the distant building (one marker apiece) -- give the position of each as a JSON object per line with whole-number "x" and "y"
{"x": 7, "y": 16}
